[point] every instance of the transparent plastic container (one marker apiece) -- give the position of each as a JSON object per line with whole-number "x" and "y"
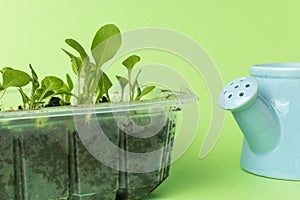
{"x": 106, "y": 151}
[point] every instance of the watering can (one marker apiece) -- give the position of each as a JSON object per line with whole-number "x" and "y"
{"x": 266, "y": 106}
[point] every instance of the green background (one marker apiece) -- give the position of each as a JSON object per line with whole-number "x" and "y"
{"x": 236, "y": 34}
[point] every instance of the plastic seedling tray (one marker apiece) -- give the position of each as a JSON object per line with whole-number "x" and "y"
{"x": 88, "y": 152}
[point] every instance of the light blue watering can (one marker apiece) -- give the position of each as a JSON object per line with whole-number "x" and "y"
{"x": 266, "y": 106}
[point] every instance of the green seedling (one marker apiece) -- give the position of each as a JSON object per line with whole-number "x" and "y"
{"x": 66, "y": 91}
{"x": 123, "y": 82}
{"x": 96, "y": 86}
{"x": 105, "y": 45}
{"x": 49, "y": 87}
{"x": 12, "y": 78}
{"x": 134, "y": 90}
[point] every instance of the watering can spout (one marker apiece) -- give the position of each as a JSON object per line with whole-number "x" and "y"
{"x": 256, "y": 118}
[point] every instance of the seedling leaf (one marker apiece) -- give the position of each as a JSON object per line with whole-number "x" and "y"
{"x": 25, "y": 98}
{"x": 145, "y": 91}
{"x": 70, "y": 82}
{"x": 104, "y": 85}
{"x": 75, "y": 45}
{"x": 14, "y": 78}
{"x": 52, "y": 83}
{"x": 49, "y": 93}
{"x": 106, "y": 43}
{"x": 123, "y": 81}
{"x": 139, "y": 91}
{"x": 76, "y": 63}
{"x": 38, "y": 94}
{"x": 130, "y": 62}
{"x": 64, "y": 90}
{"x": 6, "y": 68}
{"x": 34, "y": 78}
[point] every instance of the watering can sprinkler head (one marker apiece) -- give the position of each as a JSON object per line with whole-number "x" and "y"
{"x": 256, "y": 118}
{"x": 239, "y": 94}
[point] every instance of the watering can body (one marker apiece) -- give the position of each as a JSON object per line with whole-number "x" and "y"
{"x": 266, "y": 106}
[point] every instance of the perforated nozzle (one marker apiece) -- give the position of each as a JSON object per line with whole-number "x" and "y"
{"x": 239, "y": 93}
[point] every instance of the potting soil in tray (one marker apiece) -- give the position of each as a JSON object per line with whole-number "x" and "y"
{"x": 45, "y": 159}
